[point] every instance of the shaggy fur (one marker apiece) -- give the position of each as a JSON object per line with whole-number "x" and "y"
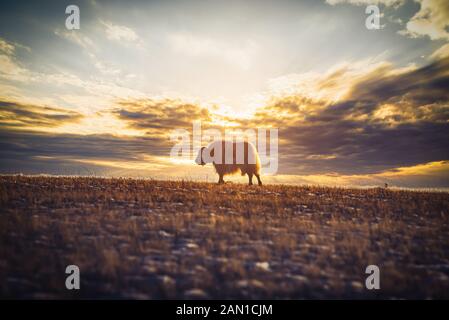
{"x": 229, "y": 164}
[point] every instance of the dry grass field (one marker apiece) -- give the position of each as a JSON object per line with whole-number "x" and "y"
{"x": 143, "y": 239}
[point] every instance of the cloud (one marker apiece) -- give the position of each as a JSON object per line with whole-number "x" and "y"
{"x": 100, "y": 93}
{"x": 120, "y": 33}
{"x": 16, "y": 115}
{"x": 6, "y": 47}
{"x": 441, "y": 52}
{"x": 160, "y": 116}
{"x": 77, "y": 37}
{"x": 9, "y": 67}
{"x": 361, "y": 118}
{"x": 431, "y": 20}
{"x": 35, "y": 152}
{"x": 90, "y": 49}
{"x": 428, "y": 175}
{"x": 385, "y": 118}
{"x": 9, "y": 48}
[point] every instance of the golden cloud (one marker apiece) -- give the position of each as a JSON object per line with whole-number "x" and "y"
{"x": 160, "y": 116}
{"x": 15, "y": 115}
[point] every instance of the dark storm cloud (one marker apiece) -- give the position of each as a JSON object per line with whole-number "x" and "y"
{"x": 354, "y": 136}
{"x": 33, "y": 152}
{"x": 425, "y": 85}
{"x": 375, "y": 149}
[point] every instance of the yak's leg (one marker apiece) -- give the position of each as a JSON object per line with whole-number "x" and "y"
{"x": 220, "y": 179}
{"x": 258, "y": 179}
{"x": 250, "y": 179}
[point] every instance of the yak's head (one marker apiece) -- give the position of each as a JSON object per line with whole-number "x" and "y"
{"x": 199, "y": 158}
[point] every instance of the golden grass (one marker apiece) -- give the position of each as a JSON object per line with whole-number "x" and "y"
{"x": 161, "y": 239}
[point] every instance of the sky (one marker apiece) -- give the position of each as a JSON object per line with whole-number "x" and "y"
{"x": 353, "y": 106}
